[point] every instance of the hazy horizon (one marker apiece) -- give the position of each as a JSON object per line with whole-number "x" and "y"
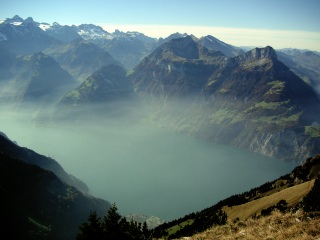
{"x": 280, "y": 24}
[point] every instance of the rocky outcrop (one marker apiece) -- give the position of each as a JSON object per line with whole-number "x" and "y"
{"x": 258, "y": 53}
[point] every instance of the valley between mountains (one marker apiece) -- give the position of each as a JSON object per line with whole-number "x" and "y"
{"x": 145, "y": 122}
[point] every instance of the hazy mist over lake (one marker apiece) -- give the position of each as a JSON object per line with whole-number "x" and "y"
{"x": 144, "y": 169}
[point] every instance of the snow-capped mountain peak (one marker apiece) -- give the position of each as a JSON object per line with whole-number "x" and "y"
{"x": 45, "y": 26}
{"x": 90, "y": 31}
{"x": 16, "y": 20}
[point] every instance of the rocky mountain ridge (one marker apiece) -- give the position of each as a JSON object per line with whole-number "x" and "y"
{"x": 129, "y": 48}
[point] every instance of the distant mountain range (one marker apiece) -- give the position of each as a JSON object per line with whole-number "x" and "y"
{"x": 27, "y": 36}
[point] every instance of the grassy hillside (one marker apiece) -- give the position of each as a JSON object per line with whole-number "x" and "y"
{"x": 292, "y": 195}
{"x": 276, "y": 226}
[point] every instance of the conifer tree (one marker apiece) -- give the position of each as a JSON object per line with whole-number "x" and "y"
{"x": 311, "y": 200}
{"x": 112, "y": 226}
{"x": 91, "y": 229}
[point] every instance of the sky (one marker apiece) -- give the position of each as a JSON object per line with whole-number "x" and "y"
{"x": 278, "y": 23}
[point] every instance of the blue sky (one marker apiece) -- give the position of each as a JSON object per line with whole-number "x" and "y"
{"x": 279, "y": 23}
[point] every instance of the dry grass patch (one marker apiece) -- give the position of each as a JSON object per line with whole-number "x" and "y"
{"x": 276, "y": 226}
{"x": 292, "y": 195}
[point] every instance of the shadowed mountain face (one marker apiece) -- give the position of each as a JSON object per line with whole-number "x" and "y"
{"x": 39, "y": 200}
{"x": 81, "y": 58}
{"x": 34, "y": 78}
{"x": 28, "y": 156}
{"x": 7, "y": 60}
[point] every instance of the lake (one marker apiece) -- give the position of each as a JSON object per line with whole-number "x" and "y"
{"x": 144, "y": 169}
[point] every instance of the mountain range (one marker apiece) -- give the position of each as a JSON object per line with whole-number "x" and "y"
{"x": 250, "y": 100}
{"x": 18, "y": 36}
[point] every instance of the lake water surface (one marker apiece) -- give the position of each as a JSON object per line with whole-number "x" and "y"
{"x": 144, "y": 169}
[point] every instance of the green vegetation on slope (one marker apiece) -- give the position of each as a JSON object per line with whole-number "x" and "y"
{"x": 313, "y": 131}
